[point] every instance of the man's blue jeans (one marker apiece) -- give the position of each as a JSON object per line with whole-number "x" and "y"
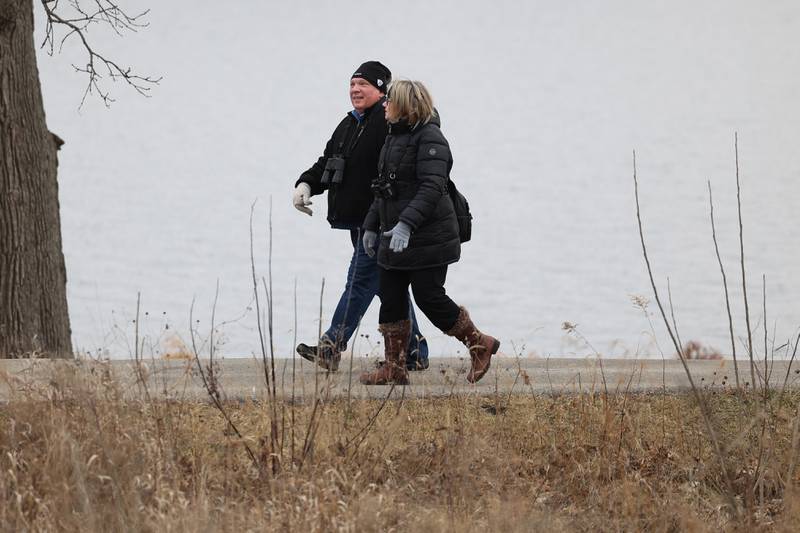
{"x": 362, "y": 286}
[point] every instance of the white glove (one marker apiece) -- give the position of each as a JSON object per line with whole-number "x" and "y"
{"x": 302, "y": 198}
{"x": 400, "y": 235}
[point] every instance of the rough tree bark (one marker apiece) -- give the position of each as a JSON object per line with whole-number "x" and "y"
{"x": 33, "y": 299}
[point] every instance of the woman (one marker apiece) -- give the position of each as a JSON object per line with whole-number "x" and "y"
{"x": 419, "y": 236}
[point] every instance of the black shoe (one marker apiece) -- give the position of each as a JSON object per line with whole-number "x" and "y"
{"x": 328, "y": 359}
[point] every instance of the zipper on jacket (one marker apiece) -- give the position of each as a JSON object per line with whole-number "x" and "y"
{"x": 355, "y": 137}
{"x": 387, "y": 145}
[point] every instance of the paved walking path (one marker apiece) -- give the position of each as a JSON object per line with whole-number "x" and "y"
{"x": 244, "y": 378}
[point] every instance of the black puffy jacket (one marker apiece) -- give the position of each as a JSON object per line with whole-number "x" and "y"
{"x": 416, "y": 161}
{"x": 360, "y": 144}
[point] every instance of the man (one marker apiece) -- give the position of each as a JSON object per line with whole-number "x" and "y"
{"x": 346, "y": 170}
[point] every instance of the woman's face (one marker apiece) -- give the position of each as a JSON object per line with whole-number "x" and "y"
{"x": 390, "y": 111}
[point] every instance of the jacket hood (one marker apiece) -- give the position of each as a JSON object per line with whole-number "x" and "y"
{"x": 435, "y": 120}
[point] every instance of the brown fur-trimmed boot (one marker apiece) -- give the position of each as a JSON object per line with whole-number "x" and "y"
{"x": 481, "y": 346}
{"x": 395, "y": 340}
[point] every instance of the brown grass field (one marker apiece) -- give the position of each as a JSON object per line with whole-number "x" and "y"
{"x": 75, "y": 455}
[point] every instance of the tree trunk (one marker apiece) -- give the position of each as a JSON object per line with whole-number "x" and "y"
{"x": 33, "y": 279}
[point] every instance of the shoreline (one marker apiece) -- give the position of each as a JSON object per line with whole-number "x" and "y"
{"x": 243, "y": 378}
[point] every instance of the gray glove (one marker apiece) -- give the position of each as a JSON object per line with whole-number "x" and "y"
{"x": 400, "y": 234}
{"x": 301, "y": 198}
{"x": 368, "y": 240}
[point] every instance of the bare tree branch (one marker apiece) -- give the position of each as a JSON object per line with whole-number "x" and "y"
{"x": 76, "y": 20}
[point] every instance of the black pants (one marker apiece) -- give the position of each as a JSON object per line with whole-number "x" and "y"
{"x": 427, "y": 285}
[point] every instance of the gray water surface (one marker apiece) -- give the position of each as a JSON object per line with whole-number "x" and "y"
{"x": 543, "y": 104}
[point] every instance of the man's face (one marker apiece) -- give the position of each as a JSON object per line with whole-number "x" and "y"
{"x": 363, "y": 94}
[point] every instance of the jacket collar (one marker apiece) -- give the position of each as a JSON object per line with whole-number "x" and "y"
{"x": 367, "y": 112}
{"x": 403, "y": 126}
{"x": 400, "y": 127}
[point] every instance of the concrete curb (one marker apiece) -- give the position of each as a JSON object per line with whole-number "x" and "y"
{"x": 243, "y": 378}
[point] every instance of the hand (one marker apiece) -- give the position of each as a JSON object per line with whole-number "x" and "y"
{"x": 302, "y": 198}
{"x": 400, "y": 234}
{"x": 368, "y": 240}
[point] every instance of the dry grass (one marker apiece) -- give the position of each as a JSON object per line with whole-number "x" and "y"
{"x": 75, "y": 456}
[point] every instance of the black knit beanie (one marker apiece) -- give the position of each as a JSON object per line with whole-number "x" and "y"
{"x": 375, "y": 73}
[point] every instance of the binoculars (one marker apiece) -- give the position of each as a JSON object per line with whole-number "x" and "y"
{"x": 382, "y": 188}
{"x": 334, "y": 170}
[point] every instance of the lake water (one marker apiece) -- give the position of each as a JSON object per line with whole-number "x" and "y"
{"x": 543, "y": 104}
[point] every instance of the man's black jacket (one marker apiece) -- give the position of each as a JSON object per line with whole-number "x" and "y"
{"x": 360, "y": 144}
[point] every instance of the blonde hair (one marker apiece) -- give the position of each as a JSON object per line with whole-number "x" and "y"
{"x": 412, "y": 100}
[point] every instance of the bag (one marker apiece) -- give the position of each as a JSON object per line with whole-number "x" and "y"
{"x": 463, "y": 215}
